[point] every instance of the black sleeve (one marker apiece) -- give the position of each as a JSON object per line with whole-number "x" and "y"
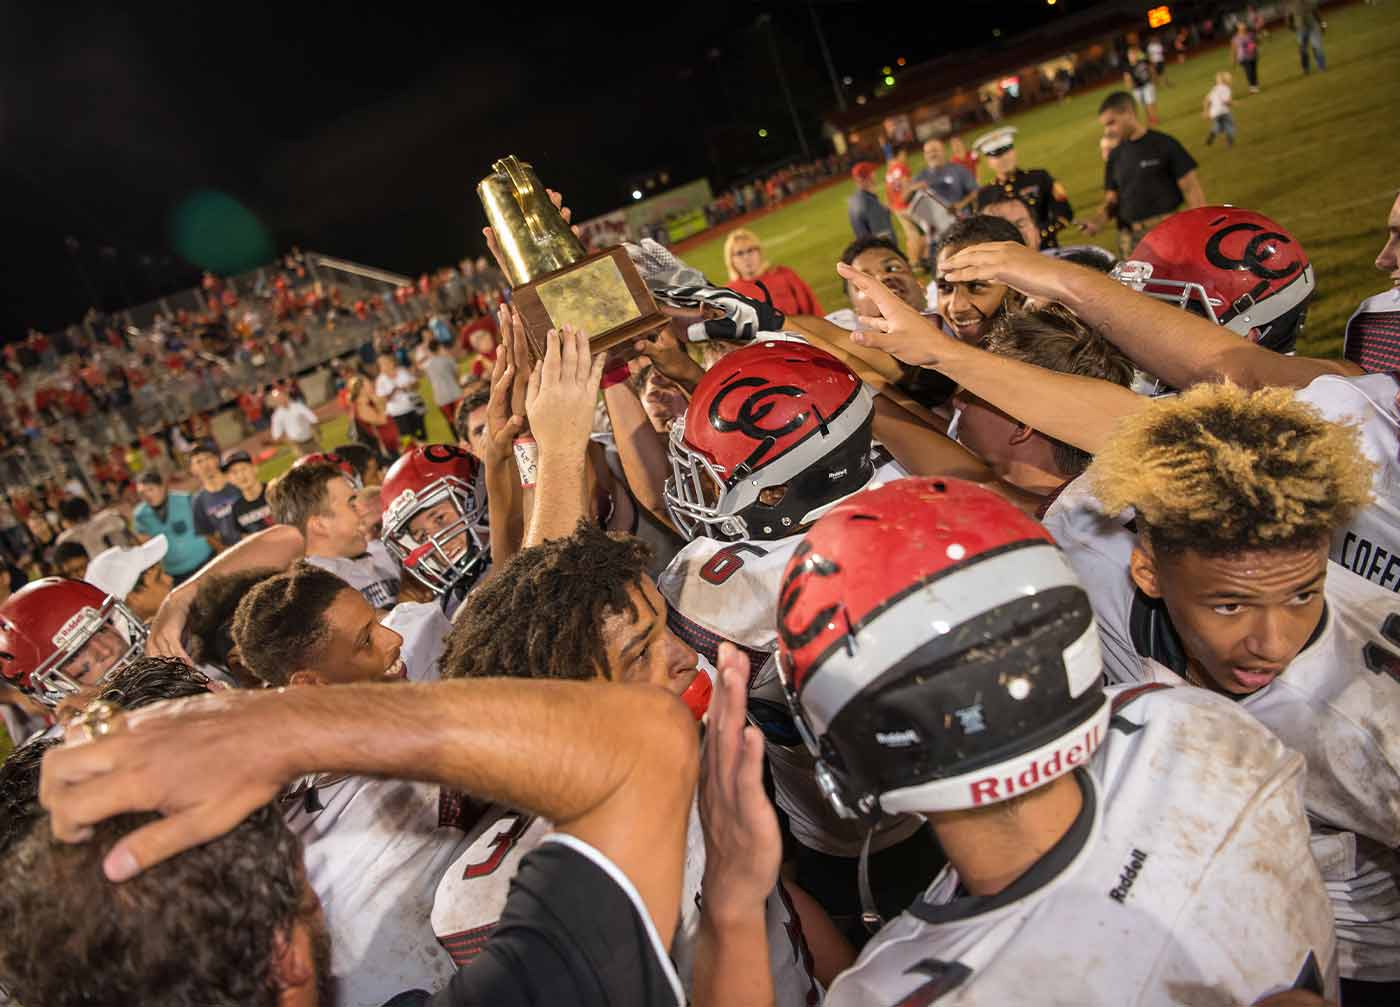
{"x": 1178, "y": 159}
{"x": 570, "y": 934}
{"x": 1110, "y": 182}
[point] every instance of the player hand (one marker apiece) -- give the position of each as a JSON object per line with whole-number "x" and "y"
{"x": 1011, "y": 263}
{"x": 743, "y": 848}
{"x": 899, "y": 330}
{"x": 204, "y": 764}
{"x": 502, "y": 424}
{"x": 668, "y": 355}
{"x": 1090, "y": 226}
{"x": 166, "y": 636}
{"x": 563, "y": 392}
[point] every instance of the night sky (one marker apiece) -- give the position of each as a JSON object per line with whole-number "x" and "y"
{"x": 362, "y": 133}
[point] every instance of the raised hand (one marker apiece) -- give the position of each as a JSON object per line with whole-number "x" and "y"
{"x": 562, "y": 393}
{"x": 503, "y": 424}
{"x": 1012, "y": 263}
{"x": 899, "y": 330}
{"x": 743, "y": 847}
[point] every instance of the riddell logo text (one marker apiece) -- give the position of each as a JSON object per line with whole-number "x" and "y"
{"x": 998, "y": 788}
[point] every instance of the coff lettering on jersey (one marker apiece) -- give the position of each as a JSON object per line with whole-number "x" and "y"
{"x": 1376, "y": 563}
{"x": 1131, "y": 870}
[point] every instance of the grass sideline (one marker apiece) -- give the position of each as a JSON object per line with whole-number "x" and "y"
{"x": 1316, "y": 153}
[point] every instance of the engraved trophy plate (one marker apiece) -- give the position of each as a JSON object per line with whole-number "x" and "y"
{"x": 592, "y": 297}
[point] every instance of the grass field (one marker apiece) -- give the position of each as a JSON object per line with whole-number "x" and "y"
{"x": 1318, "y": 153}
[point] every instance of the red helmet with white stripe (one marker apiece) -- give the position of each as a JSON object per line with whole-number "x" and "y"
{"x": 775, "y": 434}
{"x": 937, "y": 651}
{"x": 1236, "y": 267}
{"x": 434, "y": 515}
{"x": 59, "y": 636}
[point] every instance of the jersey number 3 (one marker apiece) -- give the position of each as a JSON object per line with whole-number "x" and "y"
{"x": 506, "y": 836}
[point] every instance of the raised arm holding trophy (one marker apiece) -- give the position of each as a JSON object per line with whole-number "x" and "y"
{"x": 554, "y": 279}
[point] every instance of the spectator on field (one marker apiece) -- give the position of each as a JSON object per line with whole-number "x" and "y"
{"x": 371, "y": 418}
{"x": 959, "y": 154}
{"x": 440, "y": 368}
{"x": 950, "y": 182}
{"x": 250, "y": 511}
{"x": 1016, "y": 212}
{"x": 213, "y": 501}
{"x": 398, "y": 387}
{"x": 1149, "y": 175}
{"x": 294, "y": 423}
{"x": 748, "y": 268}
{"x": 93, "y": 532}
{"x": 868, "y": 216}
{"x": 1217, "y": 109}
{"x": 898, "y": 178}
{"x": 1245, "y": 47}
{"x": 1140, "y": 76}
{"x": 134, "y": 577}
{"x": 70, "y": 559}
{"x": 167, "y": 512}
{"x": 1303, "y": 16}
{"x": 1157, "y": 56}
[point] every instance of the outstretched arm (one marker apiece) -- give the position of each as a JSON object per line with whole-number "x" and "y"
{"x": 614, "y": 765}
{"x": 277, "y": 547}
{"x": 1177, "y": 346}
{"x": 1077, "y": 410}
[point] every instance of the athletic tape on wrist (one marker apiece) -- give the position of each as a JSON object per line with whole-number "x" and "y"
{"x": 527, "y": 460}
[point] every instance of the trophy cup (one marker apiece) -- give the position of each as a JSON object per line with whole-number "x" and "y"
{"x": 555, "y": 281}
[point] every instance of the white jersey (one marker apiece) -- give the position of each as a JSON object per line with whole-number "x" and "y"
{"x": 1370, "y": 544}
{"x": 1186, "y": 879}
{"x": 1337, "y": 703}
{"x": 374, "y": 853}
{"x": 375, "y": 574}
{"x": 424, "y": 628}
{"x": 472, "y": 896}
{"x": 718, "y": 591}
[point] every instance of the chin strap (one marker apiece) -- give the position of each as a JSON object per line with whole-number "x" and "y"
{"x": 869, "y": 912}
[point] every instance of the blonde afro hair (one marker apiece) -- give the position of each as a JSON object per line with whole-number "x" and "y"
{"x": 1221, "y": 470}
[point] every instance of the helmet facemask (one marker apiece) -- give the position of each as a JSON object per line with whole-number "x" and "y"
{"x": 57, "y": 678}
{"x": 431, "y": 560}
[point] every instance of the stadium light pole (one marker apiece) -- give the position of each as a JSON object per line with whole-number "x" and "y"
{"x": 826, "y": 57}
{"x": 766, "y": 21}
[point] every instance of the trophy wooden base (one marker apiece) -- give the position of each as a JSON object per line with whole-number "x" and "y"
{"x": 601, "y": 294}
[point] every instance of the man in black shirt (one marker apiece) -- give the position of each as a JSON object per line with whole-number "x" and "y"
{"x": 1148, "y": 176}
{"x": 251, "y": 512}
{"x": 589, "y": 916}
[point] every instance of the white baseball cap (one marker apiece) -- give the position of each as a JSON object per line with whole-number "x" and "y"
{"x": 117, "y": 571}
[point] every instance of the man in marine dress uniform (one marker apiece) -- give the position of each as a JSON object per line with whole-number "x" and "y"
{"x": 1037, "y": 188}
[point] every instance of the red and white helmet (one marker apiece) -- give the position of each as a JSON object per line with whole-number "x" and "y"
{"x": 777, "y": 416}
{"x": 46, "y": 628}
{"x": 455, "y": 546}
{"x": 1236, "y": 267}
{"x": 937, "y": 651}
{"x": 331, "y": 458}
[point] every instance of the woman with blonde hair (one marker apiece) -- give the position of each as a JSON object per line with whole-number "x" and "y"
{"x": 750, "y": 274}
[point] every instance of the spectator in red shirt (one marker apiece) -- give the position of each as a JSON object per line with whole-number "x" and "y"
{"x": 958, "y": 154}
{"x": 743, "y": 254}
{"x": 897, "y": 181}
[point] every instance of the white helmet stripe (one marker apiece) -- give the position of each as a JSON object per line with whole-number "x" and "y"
{"x": 936, "y": 608}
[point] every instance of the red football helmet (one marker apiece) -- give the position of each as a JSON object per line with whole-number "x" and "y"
{"x": 454, "y": 543}
{"x": 1236, "y": 267}
{"x": 45, "y": 631}
{"x": 777, "y": 416}
{"x": 331, "y": 458}
{"x": 937, "y": 651}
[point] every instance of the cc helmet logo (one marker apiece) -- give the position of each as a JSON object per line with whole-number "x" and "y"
{"x": 1263, "y": 245}
{"x": 443, "y": 453}
{"x": 754, "y": 409}
{"x": 795, "y": 638}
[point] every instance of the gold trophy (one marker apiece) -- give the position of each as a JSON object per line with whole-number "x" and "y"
{"x": 556, "y": 281}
